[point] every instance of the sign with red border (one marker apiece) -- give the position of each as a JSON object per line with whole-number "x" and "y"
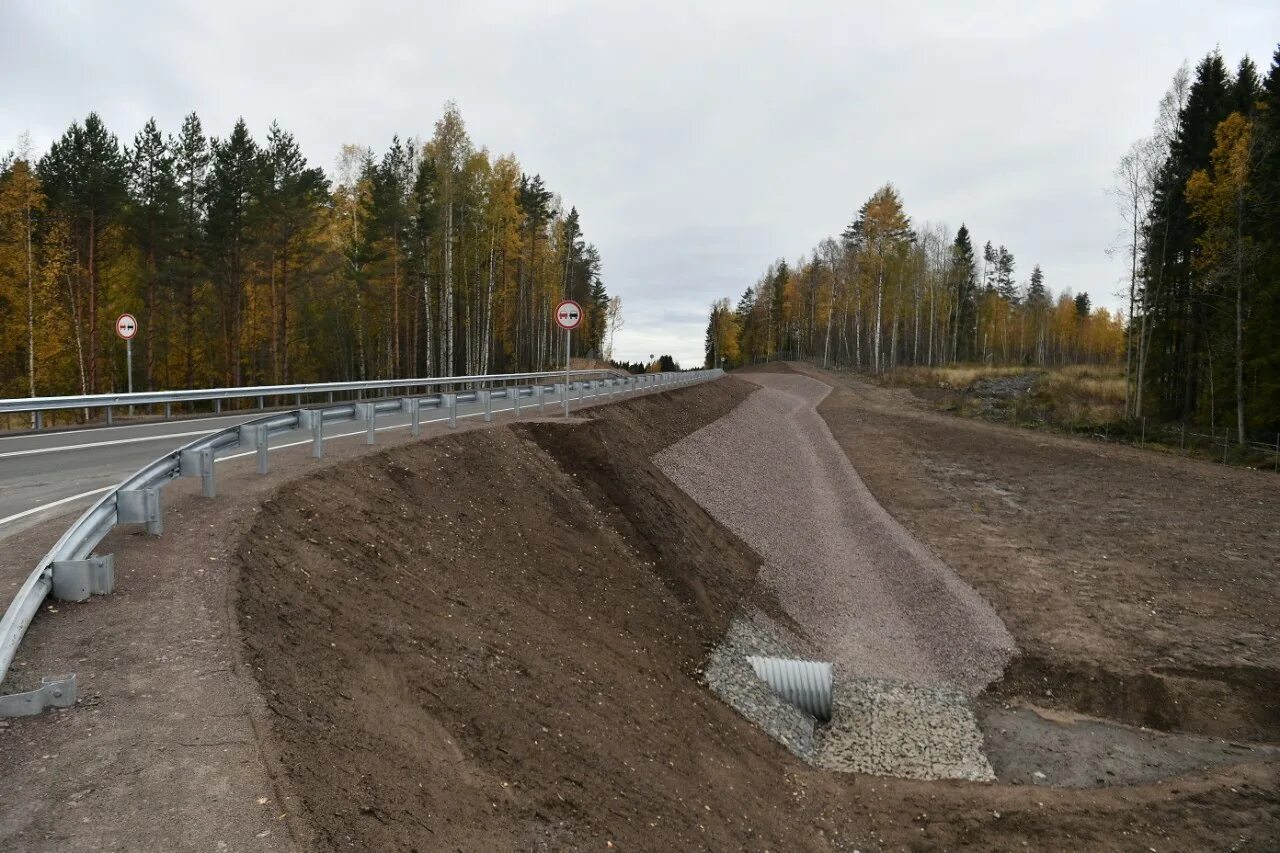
{"x": 568, "y": 315}
{"x": 126, "y": 326}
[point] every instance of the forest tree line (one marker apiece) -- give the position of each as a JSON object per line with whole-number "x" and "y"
{"x": 1199, "y": 339}
{"x": 886, "y": 294}
{"x": 1200, "y": 198}
{"x": 244, "y": 264}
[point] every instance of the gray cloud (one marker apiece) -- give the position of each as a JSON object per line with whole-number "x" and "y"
{"x": 699, "y": 141}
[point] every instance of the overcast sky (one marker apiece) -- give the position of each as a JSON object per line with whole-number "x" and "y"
{"x": 699, "y": 141}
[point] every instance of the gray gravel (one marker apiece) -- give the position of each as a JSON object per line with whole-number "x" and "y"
{"x": 868, "y": 595}
{"x": 878, "y": 727}
{"x": 911, "y": 642}
{"x": 890, "y": 729}
{"x": 731, "y": 678}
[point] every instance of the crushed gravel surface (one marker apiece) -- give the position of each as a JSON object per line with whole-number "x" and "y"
{"x": 878, "y": 727}
{"x": 871, "y": 597}
{"x": 910, "y": 640}
{"x": 731, "y": 678}
{"x": 890, "y": 729}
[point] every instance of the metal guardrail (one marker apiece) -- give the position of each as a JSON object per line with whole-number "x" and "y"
{"x": 107, "y": 402}
{"x": 72, "y": 571}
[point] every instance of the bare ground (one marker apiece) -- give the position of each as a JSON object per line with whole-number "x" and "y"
{"x": 1139, "y": 586}
{"x": 491, "y": 641}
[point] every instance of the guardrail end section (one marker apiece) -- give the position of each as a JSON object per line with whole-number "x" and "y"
{"x": 55, "y": 691}
{"x": 76, "y": 580}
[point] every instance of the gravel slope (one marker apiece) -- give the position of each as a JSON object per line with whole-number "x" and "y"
{"x": 875, "y": 600}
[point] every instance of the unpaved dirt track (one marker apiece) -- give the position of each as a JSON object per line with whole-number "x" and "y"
{"x": 864, "y": 590}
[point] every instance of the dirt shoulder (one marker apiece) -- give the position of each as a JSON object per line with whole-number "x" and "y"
{"x": 1140, "y": 587}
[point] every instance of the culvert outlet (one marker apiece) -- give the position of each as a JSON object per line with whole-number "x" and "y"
{"x": 804, "y": 683}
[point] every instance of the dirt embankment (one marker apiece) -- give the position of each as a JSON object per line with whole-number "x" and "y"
{"x": 491, "y": 642}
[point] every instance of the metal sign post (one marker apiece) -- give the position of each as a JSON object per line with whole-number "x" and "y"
{"x": 127, "y": 328}
{"x": 568, "y": 317}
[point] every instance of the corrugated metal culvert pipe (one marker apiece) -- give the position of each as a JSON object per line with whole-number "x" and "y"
{"x": 807, "y": 684}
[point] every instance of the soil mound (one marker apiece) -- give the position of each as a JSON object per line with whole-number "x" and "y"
{"x": 492, "y": 641}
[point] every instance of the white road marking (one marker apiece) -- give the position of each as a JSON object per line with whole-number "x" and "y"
{"x": 58, "y": 502}
{"x": 36, "y": 451}
{"x": 180, "y": 422}
{"x": 66, "y": 500}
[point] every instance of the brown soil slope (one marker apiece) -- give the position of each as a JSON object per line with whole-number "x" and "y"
{"x": 491, "y": 642}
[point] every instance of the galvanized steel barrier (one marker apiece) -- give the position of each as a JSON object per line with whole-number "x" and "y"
{"x": 36, "y": 406}
{"x": 72, "y": 571}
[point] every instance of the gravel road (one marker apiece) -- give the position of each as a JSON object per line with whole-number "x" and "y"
{"x": 875, "y": 600}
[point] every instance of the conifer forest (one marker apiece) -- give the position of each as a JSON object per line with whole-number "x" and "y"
{"x": 244, "y": 264}
{"x": 1198, "y": 336}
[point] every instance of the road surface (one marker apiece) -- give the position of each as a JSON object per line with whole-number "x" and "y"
{"x": 45, "y": 471}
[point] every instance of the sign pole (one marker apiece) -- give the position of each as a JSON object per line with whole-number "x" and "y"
{"x": 128, "y": 362}
{"x": 126, "y": 329}
{"x": 568, "y": 315}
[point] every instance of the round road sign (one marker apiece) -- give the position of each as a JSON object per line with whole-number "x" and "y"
{"x": 126, "y": 326}
{"x": 568, "y": 315}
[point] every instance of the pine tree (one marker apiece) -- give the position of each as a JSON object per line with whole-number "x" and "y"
{"x": 84, "y": 177}
{"x": 1082, "y": 305}
{"x": 1005, "y": 285}
{"x": 155, "y": 223}
{"x": 234, "y": 194}
{"x": 293, "y": 199}
{"x": 191, "y": 169}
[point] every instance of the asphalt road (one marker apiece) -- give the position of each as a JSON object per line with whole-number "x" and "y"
{"x": 44, "y": 471}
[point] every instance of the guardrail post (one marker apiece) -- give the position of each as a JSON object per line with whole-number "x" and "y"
{"x": 367, "y": 412}
{"x": 199, "y": 463}
{"x": 581, "y": 390}
{"x": 414, "y": 406}
{"x": 108, "y": 408}
{"x": 313, "y": 419}
{"x": 39, "y": 420}
{"x": 486, "y": 396}
{"x": 450, "y": 402}
{"x": 217, "y": 407}
{"x": 255, "y": 436}
{"x": 540, "y": 392}
{"x": 514, "y": 393}
{"x": 140, "y": 506}
{"x": 76, "y": 580}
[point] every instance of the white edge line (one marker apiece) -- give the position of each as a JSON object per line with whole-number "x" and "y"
{"x": 58, "y": 502}
{"x": 66, "y": 500}
{"x": 36, "y": 451}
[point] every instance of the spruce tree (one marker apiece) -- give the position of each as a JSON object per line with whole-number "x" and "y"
{"x": 964, "y": 283}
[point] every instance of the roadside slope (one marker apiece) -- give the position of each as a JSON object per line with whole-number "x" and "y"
{"x": 492, "y": 641}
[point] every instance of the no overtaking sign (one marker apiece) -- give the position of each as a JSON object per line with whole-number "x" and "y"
{"x": 568, "y": 315}
{"x": 126, "y": 326}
